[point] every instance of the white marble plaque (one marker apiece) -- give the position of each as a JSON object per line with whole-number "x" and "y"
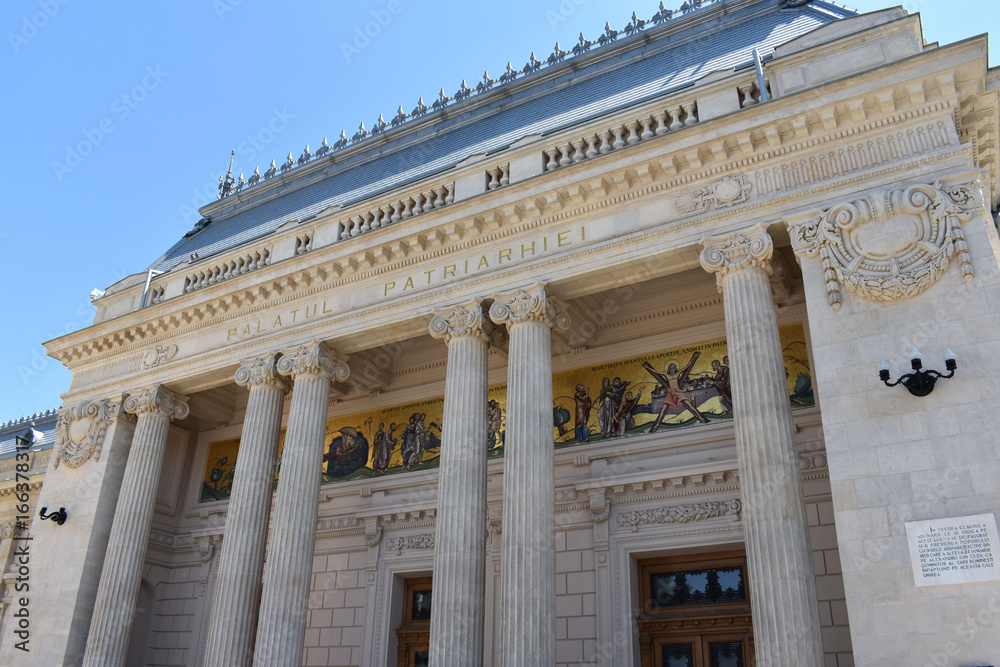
{"x": 958, "y": 550}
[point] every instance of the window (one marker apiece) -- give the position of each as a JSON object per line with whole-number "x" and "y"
{"x": 695, "y": 611}
{"x": 414, "y": 633}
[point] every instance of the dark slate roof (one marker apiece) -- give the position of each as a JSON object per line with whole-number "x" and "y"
{"x": 44, "y": 423}
{"x": 651, "y": 63}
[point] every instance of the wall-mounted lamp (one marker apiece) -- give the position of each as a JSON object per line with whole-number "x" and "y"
{"x": 919, "y": 382}
{"x": 59, "y": 517}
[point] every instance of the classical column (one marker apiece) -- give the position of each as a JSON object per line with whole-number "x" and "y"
{"x": 241, "y": 562}
{"x": 782, "y": 584}
{"x": 458, "y": 612}
{"x": 107, "y": 642}
{"x": 282, "y": 627}
{"x": 528, "y": 567}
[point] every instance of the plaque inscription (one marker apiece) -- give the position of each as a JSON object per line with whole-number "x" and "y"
{"x": 958, "y": 550}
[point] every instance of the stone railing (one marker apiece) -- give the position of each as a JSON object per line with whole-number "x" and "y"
{"x": 304, "y": 243}
{"x": 626, "y": 134}
{"x": 497, "y": 177}
{"x": 230, "y": 268}
{"x": 391, "y": 212}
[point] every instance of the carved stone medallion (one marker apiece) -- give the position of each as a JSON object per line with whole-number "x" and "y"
{"x": 81, "y": 428}
{"x": 724, "y": 193}
{"x": 893, "y": 243}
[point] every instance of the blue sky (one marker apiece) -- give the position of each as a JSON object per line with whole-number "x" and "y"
{"x": 120, "y": 118}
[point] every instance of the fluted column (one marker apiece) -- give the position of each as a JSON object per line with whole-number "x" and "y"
{"x": 459, "y": 610}
{"x": 528, "y": 566}
{"x": 107, "y": 642}
{"x": 281, "y": 629}
{"x": 238, "y": 584}
{"x": 782, "y": 584}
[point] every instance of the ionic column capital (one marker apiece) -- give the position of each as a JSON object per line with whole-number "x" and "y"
{"x": 257, "y": 371}
{"x": 312, "y": 358}
{"x": 157, "y": 400}
{"x": 749, "y": 248}
{"x": 529, "y": 304}
{"x": 465, "y": 319}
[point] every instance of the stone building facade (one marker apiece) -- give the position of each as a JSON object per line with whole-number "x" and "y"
{"x": 575, "y": 367}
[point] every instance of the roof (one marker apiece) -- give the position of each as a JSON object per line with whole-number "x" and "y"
{"x": 653, "y": 61}
{"x": 43, "y": 423}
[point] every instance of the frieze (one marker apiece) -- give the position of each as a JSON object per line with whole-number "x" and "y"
{"x": 812, "y": 461}
{"x": 891, "y": 244}
{"x": 337, "y": 523}
{"x": 397, "y": 544}
{"x": 682, "y": 513}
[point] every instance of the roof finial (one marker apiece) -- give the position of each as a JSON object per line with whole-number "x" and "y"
{"x": 226, "y": 184}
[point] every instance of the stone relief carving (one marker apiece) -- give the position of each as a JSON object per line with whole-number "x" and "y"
{"x": 337, "y": 523}
{"x": 205, "y": 549}
{"x": 81, "y": 428}
{"x": 893, "y": 243}
{"x": 397, "y": 544}
{"x": 600, "y": 516}
{"x": 681, "y": 513}
{"x": 372, "y": 539}
{"x": 812, "y": 461}
{"x": 724, "y": 193}
{"x": 160, "y": 354}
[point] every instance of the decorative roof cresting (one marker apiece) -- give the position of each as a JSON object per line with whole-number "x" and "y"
{"x": 229, "y": 185}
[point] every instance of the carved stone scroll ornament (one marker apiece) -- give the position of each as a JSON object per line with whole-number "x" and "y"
{"x": 529, "y": 304}
{"x": 463, "y": 320}
{"x": 682, "y": 513}
{"x": 81, "y": 428}
{"x": 724, "y": 255}
{"x": 893, "y": 243}
{"x": 724, "y": 193}
{"x": 313, "y": 358}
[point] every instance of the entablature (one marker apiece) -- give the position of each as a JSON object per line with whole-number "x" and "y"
{"x": 656, "y": 197}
